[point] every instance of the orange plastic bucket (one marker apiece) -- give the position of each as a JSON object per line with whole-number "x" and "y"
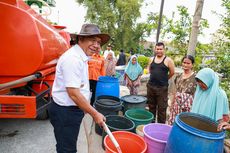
{"x": 129, "y": 143}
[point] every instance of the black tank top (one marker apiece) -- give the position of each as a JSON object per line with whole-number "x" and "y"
{"x": 158, "y": 73}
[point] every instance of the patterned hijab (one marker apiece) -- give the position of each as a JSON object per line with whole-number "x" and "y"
{"x": 133, "y": 70}
{"x": 110, "y": 64}
{"x": 212, "y": 102}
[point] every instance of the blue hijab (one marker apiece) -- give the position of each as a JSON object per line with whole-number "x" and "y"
{"x": 212, "y": 102}
{"x": 133, "y": 70}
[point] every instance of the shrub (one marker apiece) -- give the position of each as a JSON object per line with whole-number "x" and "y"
{"x": 143, "y": 61}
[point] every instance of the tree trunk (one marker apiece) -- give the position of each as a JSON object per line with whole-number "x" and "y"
{"x": 159, "y": 21}
{"x": 195, "y": 27}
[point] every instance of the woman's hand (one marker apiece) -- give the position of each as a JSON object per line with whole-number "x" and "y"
{"x": 129, "y": 83}
{"x": 223, "y": 126}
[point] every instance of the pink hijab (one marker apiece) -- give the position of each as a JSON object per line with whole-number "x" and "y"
{"x": 110, "y": 64}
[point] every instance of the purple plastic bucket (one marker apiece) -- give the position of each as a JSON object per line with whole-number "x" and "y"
{"x": 156, "y": 136}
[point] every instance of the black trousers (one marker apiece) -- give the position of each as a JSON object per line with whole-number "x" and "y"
{"x": 158, "y": 101}
{"x": 93, "y": 85}
{"x": 66, "y": 121}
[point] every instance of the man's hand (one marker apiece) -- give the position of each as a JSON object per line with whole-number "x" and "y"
{"x": 99, "y": 118}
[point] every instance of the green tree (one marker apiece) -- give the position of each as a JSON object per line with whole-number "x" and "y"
{"x": 221, "y": 48}
{"x": 119, "y": 19}
{"x": 178, "y": 30}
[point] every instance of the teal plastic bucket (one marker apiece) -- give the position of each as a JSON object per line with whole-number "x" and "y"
{"x": 194, "y": 133}
{"x": 108, "y": 86}
{"x": 139, "y": 116}
{"x": 118, "y": 123}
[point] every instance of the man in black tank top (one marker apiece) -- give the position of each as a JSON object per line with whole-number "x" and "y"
{"x": 161, "y": 68}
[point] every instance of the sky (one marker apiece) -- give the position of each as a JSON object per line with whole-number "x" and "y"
{"x": 71, "y": 15}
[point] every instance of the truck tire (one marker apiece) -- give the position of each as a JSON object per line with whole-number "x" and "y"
{"x": 43, "y": 115}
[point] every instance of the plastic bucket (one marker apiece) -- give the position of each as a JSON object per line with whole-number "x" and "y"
{"x": 118, "y": 123}
{"x": 139, "y": 130}
{"x": 133, "y": 101}
{"x": 120, "y": 71}
{"x": 129, "y": 143}
{"x": 139, "y": 116}
{"x": 194, "y": 133}
{"x": 108, "y": 86}
{"x": 156, "y": 136}
{"x": 107, "y": 105}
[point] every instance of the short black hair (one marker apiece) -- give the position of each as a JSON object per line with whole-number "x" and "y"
{"x": 160, "y": 44}
{"x": 189, "y": 57}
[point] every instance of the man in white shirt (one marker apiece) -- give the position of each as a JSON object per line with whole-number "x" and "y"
{"x": 71, "y": 89}
{"x": 109, "y": 49}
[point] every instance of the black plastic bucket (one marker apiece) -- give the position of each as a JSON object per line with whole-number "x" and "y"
{"x": 118, "y": 123}
{"x": 133, "y": 101}
{"x": 107, "y": 105}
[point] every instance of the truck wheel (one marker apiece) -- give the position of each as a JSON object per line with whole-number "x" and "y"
{"x": 43, "y": 115}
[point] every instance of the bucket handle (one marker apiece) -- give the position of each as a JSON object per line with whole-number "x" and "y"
{"x": 112, "y": 137}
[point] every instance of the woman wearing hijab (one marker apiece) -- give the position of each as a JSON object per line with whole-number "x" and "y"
{"x": 133, "y": 72}
{"x": 110, "y": 64}
{"x": 210, "y": 100}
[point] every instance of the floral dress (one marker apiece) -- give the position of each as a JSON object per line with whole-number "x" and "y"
{"x": 185, "y": 89}
{"x": 133, "y": 85}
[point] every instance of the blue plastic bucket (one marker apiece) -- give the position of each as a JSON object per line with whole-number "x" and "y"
{"x": 108, "y": 86}
{"x": 194, "y": 133}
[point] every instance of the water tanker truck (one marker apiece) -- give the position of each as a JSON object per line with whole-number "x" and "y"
{"x": 29, "y": 50}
